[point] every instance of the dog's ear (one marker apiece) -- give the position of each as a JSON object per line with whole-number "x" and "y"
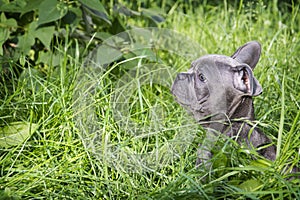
{"x": 248, "y": 54}
{"x": 245, "y": 82}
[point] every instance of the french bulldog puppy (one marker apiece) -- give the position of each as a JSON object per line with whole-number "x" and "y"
{"x": 217, "y": 90}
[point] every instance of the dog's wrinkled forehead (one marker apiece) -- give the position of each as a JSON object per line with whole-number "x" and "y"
{"x": 213, "y": 60}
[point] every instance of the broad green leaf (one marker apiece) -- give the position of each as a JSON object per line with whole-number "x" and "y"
{"x": 130, "y": 63}
{"x": 50, "y": 11}
{"x": 153, "y": 14}
{"x": 49, "y": 58}
{"x": 95, "y": 8}
{"x": 102, "y": 35}
{"x": 73, "y": 17}
{"x": 13, "y": 6}
{"x": 31, "y": 5}
{"x": 7, "y": 23}
{"x": 10, "y": 23}
{"x": 125, "y": 10}
{"x": 6, "y": 27}
{"x": 250, "y": 185}
{"x": 94, "y": 4}
{"x": 28, "y": 39}
{"x": 4, "y": 34}
{"x": 148, "y": 53}
{"x": 45, "y": 34}
{"x": 25, "y": 42}
{"x": 2, "y": 17}
{"x": 106, "y": 54}
{"x": 16, "y": 133}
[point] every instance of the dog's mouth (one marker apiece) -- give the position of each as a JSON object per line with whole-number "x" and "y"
{"x": 194, "y": 106}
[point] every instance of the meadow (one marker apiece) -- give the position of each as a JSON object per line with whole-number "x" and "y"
{"x": 104, "y": 125}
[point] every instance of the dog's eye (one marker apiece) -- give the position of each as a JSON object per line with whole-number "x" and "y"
{"x": 202, "y": 77}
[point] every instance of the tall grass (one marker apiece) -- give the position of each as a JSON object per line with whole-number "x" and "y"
{"x": 57, "y": 161}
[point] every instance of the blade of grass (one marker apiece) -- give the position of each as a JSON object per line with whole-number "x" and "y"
{"x": 279, "y": 141}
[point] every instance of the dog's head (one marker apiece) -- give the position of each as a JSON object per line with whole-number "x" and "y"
{"x": 215, "y": 83}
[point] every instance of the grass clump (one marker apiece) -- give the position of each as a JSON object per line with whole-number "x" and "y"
{"x": 116, "y": 133}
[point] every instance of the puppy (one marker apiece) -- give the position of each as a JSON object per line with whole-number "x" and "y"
{"x": 217, "y": 90}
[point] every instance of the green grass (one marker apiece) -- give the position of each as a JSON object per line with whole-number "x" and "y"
{"x": 148, "y": 153}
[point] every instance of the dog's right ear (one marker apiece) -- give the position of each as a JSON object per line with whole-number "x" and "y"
{"x": 245, "y": 82}
{"x": 248, "y": 54}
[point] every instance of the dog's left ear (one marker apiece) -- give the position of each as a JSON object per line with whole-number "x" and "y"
{"x": 245, "y": 82}
{"x": 248, "y": 54}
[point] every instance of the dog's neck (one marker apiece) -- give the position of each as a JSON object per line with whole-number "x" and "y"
{"x": 242, "y": 112}
{"x": 242, "y": 108}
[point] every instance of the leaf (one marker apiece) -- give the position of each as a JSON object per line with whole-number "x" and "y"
{"x": 49, "y": 58}
{"x": 13, "y": 6}
{"x": 102, "y": 35}
{"x": 153, "y": 14}
{"x": 10, "y": 23}
{"x": 50, "y": 11}
{"x": 6, "y": 27}
{"x": 16, "y": 133}
{"x": 95, "y": 8}
{"x": 4, "y": 34}
{"x": 28, "y": 39}
{"x": 31, "y": 5}
{"x": 250, "y": 185}
{"x": 146, "y": 52}
{"x": 45, "y": 34}
{"x": 125, "y": 10}
{"x": 106, "y": 54}
{"x": 94, "y": 4}
{"x": 73, "y": 17}
{"x": 25, "y": 42}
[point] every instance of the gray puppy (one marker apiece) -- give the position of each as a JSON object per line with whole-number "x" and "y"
{"x": 218, "y": 91}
